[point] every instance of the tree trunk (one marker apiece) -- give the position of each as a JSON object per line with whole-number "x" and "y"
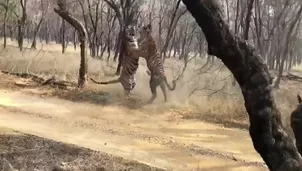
{"x": 172, "y": 45}
{"x": 103, "y": 49}
{"x": 63, "y": 36}
{"x": 4, "y": 24}
{"x": 11, "y": 33}
{"x": 290, "y": 62}
{"x": 21, "y": 24}
{"x": 237, "y": 16}
{"x": 248, "y": 20}
{"x": 121, "y": 57}
{"x": 82, "y": 38}
{"x": 47, "y": 34}
{"x": 118, "y": 45}
{"x": 34, "y": 43}
{"x": 266, "y": 130}
{"x": 20, "y": 34}
{"x": 75, "y": 39}
{"x": 184, "y": 42}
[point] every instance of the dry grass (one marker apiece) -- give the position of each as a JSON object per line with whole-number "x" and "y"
{"x": 215, "y": 101}
{"x": 28, "y": 152}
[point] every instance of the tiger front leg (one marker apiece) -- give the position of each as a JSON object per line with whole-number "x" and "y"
{"x": 136, "y": 51}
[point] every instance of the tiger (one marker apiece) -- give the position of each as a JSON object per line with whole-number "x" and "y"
{"x": 148, "y": 50}
{"x": 295, "y": 123}
{"x": 129, "y": 63}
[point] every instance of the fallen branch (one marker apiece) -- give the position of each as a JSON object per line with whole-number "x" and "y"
{"x": 291, "y": 76}
{"x": 53, "y": 82}
{"x": 32, "y": 76}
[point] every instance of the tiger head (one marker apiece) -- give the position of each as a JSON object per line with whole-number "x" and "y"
{"x": 145, "y": 31}
{"x": 130, "y": 32}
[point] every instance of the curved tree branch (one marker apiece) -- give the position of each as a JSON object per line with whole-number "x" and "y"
{"x": 267, "y": 132}
{"x": 62, "y": 11}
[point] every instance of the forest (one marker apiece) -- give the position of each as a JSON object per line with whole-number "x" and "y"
{"x": 241, "y": 59}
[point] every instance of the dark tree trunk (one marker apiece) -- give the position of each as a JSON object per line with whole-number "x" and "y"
{"x": 11, "y": 33}
{"x": 4, "y": 24}
{"x": 75, "y": 39}
{"x": 248, "y": 20}
{"x": 121, "y": 57}
{"x": 108, "y": 52}
{"x": 267, "y": 132}
{"x": 63, "y": 36}
{"x": 237, "y": 16}
{"x": 82, "y": 38}
{"x": 118, "y": 45}
{"x": 20, "y": 35}
{"x": 21, "y": 24}
{"x": 47, "y": 35}
{"x": 34, "y": 43}
{"x": 290, "y": 62}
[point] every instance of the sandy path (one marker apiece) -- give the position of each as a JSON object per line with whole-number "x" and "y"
{"x": 132, "y": 134}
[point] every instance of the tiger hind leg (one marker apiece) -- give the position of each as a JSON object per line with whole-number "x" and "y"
{"x": 153, "y": 87}
{"x": 163, "y": 89}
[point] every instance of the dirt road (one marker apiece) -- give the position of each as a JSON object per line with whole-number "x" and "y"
{"x": 133, "y": 134}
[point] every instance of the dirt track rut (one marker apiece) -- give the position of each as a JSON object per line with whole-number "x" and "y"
{"x": 132, "y": 134}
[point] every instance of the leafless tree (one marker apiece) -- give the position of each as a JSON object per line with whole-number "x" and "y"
{"x": 62, "y": 11}
{"x": 6, "y": 7}
{"x": 21, "y": 23}
{"x": 44, "y": 7}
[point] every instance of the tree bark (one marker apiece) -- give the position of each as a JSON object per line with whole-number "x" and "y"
{"x": 75, "y": 39}
{"x": 34, "y": 43}
{"x": 4, "y": 24}
{"x": 61, "y": 11}
{"x": 121, "y": 55}
{"x": 248, "y": 20}
{"x": 63, "y": 36}
{"x": 47, "y": 35}
{"x": 266, "y": 130}
{"x": 21, "y": 24}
